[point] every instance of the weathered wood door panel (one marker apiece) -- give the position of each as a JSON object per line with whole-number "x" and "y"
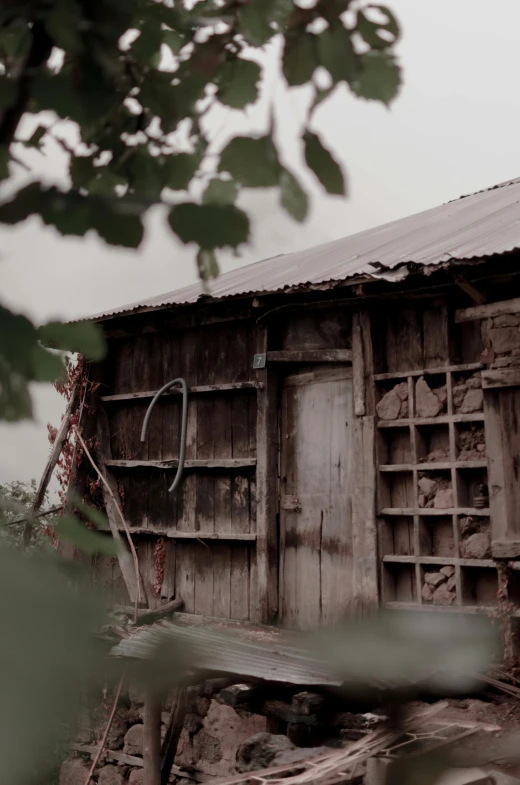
{"x": 502, "y": 422}
{"x": 315, "y": 503}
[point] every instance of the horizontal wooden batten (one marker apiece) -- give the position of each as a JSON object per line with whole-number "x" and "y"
{"x": 505, "y": 549}
{"x": 440, "y": 560}
{"x": 197, "y": 390}
{"x": 501, "y": 377}
{"x": 488, "y": 310}
{"x": 197, "y": 463}
{"x": 442, "y": 418}
{"x": 380, "y": 377}
{"x": 173, "y": 534}
{"x": 416, "y": 606}
{"x": 426, "y": 511}
{"x": 434, "y": 466}
{"x": 311, "y": 356}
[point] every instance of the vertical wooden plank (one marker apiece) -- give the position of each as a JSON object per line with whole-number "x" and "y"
{"x": 358, "y": 367}
{"x": 509, "y": 401}
{"x": 266, "y": 489}
{"x": 222, "y": 433}
{"x": 496, "y": 464}
{"x": 436, "y": 350}
{"x": 364, "y": 541}
{"x": 152, "y": 740}
{"x": 336, "y": 536}
{"x": 205, "y": 498}
{"x": 185, "y": 560}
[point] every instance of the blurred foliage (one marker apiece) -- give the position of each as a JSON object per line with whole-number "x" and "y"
{"x": 16, "y": 500}
{"x": 138, "y": 80}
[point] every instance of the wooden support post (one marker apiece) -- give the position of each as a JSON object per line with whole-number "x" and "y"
{"x": 173, "y": 732}
{"x": 152, "y": 739}
{"x": 126, "y": 564}
{"x": 364, "y": 537}
{"x": 266, "y": 490}
{"x": 57, "y": 447}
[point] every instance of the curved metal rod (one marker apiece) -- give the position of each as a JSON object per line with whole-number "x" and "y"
{"x": 184, "y": 422}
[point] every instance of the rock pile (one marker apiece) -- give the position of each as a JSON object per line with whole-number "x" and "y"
{"x": 475, "y": 540}
{"x": 467, "y": 394}
{"x": 439, "y": 587}
{"x": 472, "y": 444}
{"x": 435, "y": 491}
{"x": 394, "y": 404}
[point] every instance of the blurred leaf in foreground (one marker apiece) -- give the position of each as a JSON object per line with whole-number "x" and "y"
{"x": 48, "y": 655}
{"x": 443, "y": 653}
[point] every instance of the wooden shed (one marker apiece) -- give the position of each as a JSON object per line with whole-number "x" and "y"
{"x": 352, "y": 431}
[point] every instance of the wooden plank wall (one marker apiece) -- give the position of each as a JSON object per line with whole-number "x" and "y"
{"x": 212, "y": 577}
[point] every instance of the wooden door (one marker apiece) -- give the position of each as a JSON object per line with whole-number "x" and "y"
{"x": 315, "y": 497}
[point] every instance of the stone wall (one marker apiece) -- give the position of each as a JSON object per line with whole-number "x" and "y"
{"x": 209, "y": 741}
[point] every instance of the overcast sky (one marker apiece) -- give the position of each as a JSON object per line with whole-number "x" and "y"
{"x": 454, "y": 129}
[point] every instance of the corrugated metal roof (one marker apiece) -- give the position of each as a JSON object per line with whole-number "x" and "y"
{"x": 244, "y": 651}
{"x": 480, "y": 225}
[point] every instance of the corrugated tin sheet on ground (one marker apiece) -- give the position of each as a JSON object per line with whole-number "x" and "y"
{"x": 480, "y": 225}
{"x": 246, "y": 651}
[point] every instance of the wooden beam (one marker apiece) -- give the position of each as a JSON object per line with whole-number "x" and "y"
{"x": 266, "y": 490}
{"x": 61, "y": 438}
{"x": 358, "y": 367}
{"x": 505, "y": 549}
{"x": 152, "y": 739}
{"x": 501, "y": 377}
{"x": 311, "y": 356}
{"x": 135, "y": 760}
{"x": 126, "y": 564}
{"x": 175, "y": 534}
{"x": 364, "y": 586}
{"x": 488, "y": 310}
{"x": 173, "y": 732}
{"x": 199, "y": 463}
{"x": 200, "y": 390}
{"x": 463, "y": 283}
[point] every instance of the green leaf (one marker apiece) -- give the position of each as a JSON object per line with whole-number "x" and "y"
{"x": 336, "y": 53}
{"x": 238, "y": 83}
{"x": 146, "y": 46}
{"x": 251, "y": 162}
{"x": 105, "y": 181}
{"x": 210, "y": 225}
{"x": 207, "y": 264}
{"x": 300, "y": 58}
{"x": 181, "y": 169}
{"x": 82, "y": 170}
{"x": 147, "y": 174}
{"x": 253, "y": 22}
{"x": 8, "y": 92}
{"x": 292, "y": 196}
{"x": 220, "y": 192}
{"x": 379, "y": 78}
{"x": 63, "y": 23}
{"x": 85, "y": 337}
{"x": 173, "y": 40}
{"x": 88, "y": 540}
{"x": 49, "y": 660}
{"x": 369, "y": 30}
{"x": 259, "y": 20}
{"x": 326, "y": 169}
{"x": 118, "y": 222}
{"x": 91, "y": 513}
{"x": 47, "y": 367}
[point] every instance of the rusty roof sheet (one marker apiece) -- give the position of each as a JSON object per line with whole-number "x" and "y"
{"x": 476, "y": 226}
{"x": 244, "y": 650}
